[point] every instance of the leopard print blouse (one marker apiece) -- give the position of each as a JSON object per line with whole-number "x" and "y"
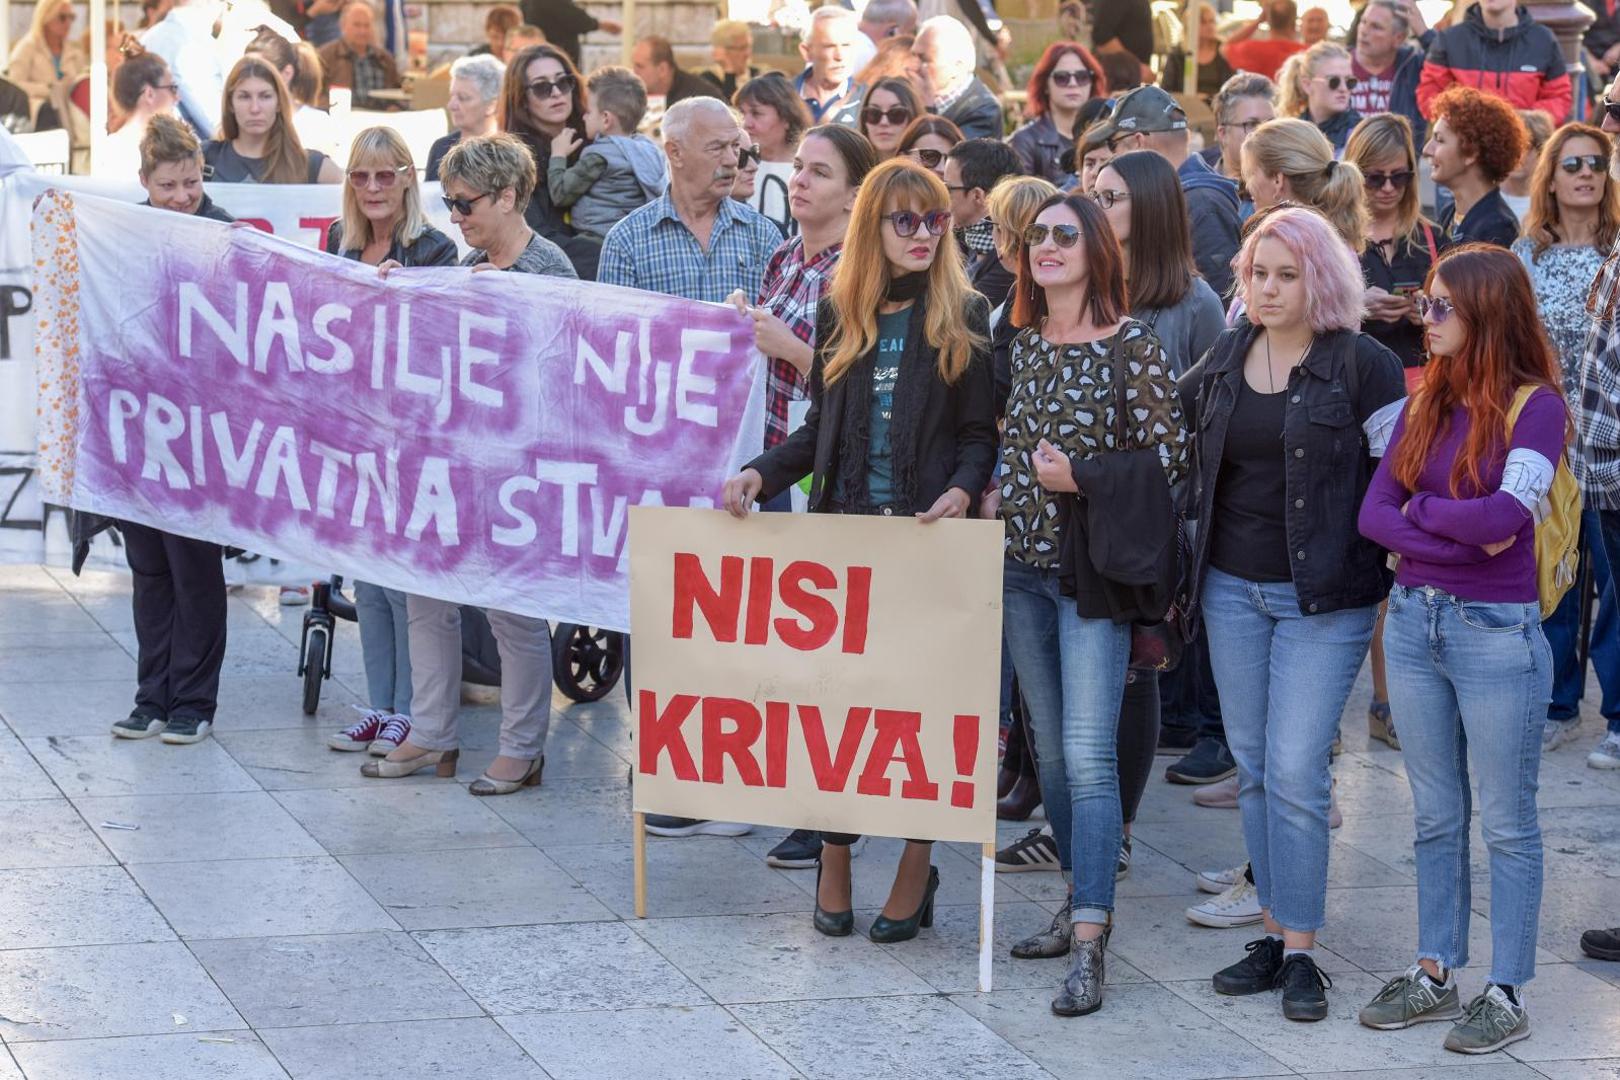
{"x": 1065, "y": 394}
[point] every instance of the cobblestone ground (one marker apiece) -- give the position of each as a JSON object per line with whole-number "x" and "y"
{"x": 277, "y": 915}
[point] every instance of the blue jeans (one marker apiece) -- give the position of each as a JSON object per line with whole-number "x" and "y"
{"x": 384, "y": 647}
{"x": 1283, "y": 679}
{"x": 1470, "y": 682}
{"x": 1072, "y": 673}
{"x": 1563, "y": 632}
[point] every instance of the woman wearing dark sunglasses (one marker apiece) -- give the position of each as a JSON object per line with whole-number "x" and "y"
{"x": 901, "y": 422}
{"x": 928, "y": 141}
{"x": 1077, "y": 352}
{"x": 890, "y": 107}
{"x": 542, "y": 95}
{"x": 1457, "y": 498}
{"x": 1572, "y": 223}
{"x": 1315, "y": 85}
{"x": 1065, "y": 78}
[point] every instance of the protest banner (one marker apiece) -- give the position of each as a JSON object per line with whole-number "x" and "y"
{"x": 818, "y": 671}
{"x": 476, "y": 437}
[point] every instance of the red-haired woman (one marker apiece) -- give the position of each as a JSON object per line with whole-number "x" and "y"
{"x": 1065, "y": 78}
{"x": 1476, "y": 140}
{"x": 1469, "y": 669}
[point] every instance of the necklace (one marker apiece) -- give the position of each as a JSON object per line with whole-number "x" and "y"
{"x": 1271, "y": 372}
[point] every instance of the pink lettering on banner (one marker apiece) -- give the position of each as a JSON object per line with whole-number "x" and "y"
{"x": 478, "y": 437}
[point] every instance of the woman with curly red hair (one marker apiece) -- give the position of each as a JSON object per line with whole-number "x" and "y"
{"x": 1474, "y": 143}
{"x": 1065, "y": 78}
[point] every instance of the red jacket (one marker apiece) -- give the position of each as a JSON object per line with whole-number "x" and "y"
{"x": 1521, "y": 65}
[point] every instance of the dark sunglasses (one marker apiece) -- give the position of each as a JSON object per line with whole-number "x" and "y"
{"x": 1071, "y": 78}
{"x": 1400, "y": 179}
{"x": 1349, "y": 82}
{"x": 1064, "y": 236}
{"x": 386, "y": 178}
{"x": 462, "y": 206}
{"x": 897, "y": 115}
{"x": 1439, "y": 308}
{"x": 745, "y": 154}
{"x": 906, "y": 223}
{"x": 929, "y": 158}
{"x": 1574, "y": 163}
{"x": 1612, "y": 108}
{"x": 544, "y": 88}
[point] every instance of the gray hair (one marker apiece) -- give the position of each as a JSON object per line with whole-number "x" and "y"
{"x": 679, "y": 117}
{"x": 1245, "y": 84}
{"x": 902, "y": 13}
{"x": 828, "y": 13}
{"x": 949, "y": 33}
{"x": 1403, "y": 25}
{"x": 490, "y": 164}
{"x": 484, "y": 72}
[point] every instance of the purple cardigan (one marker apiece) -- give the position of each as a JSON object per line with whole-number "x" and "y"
{"x": 1440, "y": 539}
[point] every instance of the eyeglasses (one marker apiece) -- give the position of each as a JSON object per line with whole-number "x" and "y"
{"x": 930, "y": 159}
{"x": 462, "y": 206}
{"x": 1434, "y": 308}
{"x": 385, "y": 178}
{"x": 895, "y": 115}
{"x": 1064, "y": 236}
{"x": 1400, "y": 179}
{"x": 1071, "y": 78}
{"x": 544, "y": 88}
{"x": 1334, "y": 82}
{"x": 1575, "y": 163}
{"x": 1612, "y": 108}
{"x": 1247, "y": 127}
{"x": 173, "y": 88}
{"x": 906, "y": 223}
{"x": 1106, "y": 199}
{"x": 745, "y": 154}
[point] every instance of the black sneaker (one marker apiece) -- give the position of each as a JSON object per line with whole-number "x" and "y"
{"x": 1123, "y": 867}
{"x": 1598, "y": 944}
{"x": 1037, "y": 850}
{"x": 186, "y": 729}
{"x": 1209, "y": 762}
{"x": 670, "y": 825}
{"x": 1304, "y": 988}
{"x": 799, "y": 851}
{"x": 1176, "y": 740}
{"x": 139, "y": 726}
{"x": 1255, "y": 973}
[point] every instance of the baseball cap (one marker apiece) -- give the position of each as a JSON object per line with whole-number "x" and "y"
{"x": 1145, "y": 110}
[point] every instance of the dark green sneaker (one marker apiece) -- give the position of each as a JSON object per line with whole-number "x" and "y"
{"x": 1493, "y": 1021}
{"x": 1412, "y": 999}
{"x": 186, "y": 729}
{"x": 138, "y": 726}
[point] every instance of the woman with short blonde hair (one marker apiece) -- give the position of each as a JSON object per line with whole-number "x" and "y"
{"x": 47, "y": 59}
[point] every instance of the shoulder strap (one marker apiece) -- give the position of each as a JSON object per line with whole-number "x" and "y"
{"x": 1116, "y": 362}
{"x": 1521, "y": 398}
{"x": 1428, "y": 240}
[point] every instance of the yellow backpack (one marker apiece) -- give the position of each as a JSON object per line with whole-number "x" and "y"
{"x": 1558, "y": 523}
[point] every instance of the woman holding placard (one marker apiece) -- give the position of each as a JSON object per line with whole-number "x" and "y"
{"x": 901, "y": 422}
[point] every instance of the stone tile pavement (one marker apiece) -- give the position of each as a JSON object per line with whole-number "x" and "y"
{"x": 276, "y": 915}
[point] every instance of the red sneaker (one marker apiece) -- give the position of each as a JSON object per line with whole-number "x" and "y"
{"x": 359, "y": 735}
{"x": 396, "y": 728}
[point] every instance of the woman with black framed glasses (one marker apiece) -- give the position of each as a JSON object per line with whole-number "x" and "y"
{"x": 929, "y": 141}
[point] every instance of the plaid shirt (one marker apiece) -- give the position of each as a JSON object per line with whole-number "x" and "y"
{"x": 653, "y": 250}
{"x": 1598, "y": 462}
{"x": 791, "y": 292}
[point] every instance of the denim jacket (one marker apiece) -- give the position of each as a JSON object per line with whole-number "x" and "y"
{"x": 1335, "y": 423}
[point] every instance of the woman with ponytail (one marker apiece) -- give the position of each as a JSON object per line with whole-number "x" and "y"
{"x": 901, "y": 423}
{"x": 1289, "y": 160}
{"x": 1457, "y": 499}
{"x": 1316, "y": 85}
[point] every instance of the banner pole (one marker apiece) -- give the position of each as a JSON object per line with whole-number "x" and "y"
{"x": 638, "y": 846}
{"x": 987, "y": 912}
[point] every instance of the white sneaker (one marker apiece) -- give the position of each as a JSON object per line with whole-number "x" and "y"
{"x": 1607, "y": 754}
{"x": 1558, "y": 732}
{"x": 1218, "y": 881}
{"x": 294, "y": 595}
{"x": 1237, "y": 906}
{"x": 1221, "y": 795}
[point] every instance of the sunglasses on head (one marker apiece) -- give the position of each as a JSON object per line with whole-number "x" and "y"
{"x": 544, "y": 88}
{"x": 897, "y": 115}
{"x": 905, "y": 223}
{"x": 462, "y": 206}
{"x": 1348, "y": 82}
{"x": 1064, "y": 236}
{"x": 386, "y": 178}
{"x": 1434, "y": 308}
{"x": 1574, "y": 163}
{"x": 1071, "y": 78}
{"x": 1400, "y": 179}
{"x": 929, "y": 158}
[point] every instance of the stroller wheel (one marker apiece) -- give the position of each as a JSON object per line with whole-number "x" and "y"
{"x": 586, "y": 663}
{"x": 317, "y": 641}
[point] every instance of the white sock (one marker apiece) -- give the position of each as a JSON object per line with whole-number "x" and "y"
{"x": 1295, "y": 952}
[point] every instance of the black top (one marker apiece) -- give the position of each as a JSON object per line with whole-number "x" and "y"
{"x": 1211, "y": 76}
{"x": 222, "y": 164}
{"x": 1131, "y": 21}
{"x": 990, "y": 279}
{"x": 205, "y": 209}
{"x": 1248, "y": 537}
{"x": 1490, "y": 221}
{"x": 431, "y": 248}
{"x": 687, "y": 85}
{"x": 1403, "y": 273}
{"x": 561, "y": 21}
{"x": 441, "y": 146}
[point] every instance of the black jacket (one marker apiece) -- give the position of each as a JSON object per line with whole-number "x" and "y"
{"x": 432, "y": 248}
{"x": 1117, "y": 546}
{"x": 977, "y": 112}
{"x": 1328, "y": 461}
{"x": 688, "y": 85}
{"x": 990, "y": 279}
{"x": 1040, "y": 148}
{"x": 955, "y": 434}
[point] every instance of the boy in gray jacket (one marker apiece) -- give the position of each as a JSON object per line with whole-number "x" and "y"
{"x": 620, "y": 170}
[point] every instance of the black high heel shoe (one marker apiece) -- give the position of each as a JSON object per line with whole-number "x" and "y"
{"x": 887, "y": 931}
{"x": 832, "y": 923}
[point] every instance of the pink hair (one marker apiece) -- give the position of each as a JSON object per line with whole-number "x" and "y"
{"x": 1335, "y": 294}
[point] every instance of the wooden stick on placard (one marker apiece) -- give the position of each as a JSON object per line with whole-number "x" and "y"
{"x": 987, "y": 912}
{"x": 638, "y": 847}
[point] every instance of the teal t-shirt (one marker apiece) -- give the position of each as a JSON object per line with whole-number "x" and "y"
{"x": 891, "y": 330}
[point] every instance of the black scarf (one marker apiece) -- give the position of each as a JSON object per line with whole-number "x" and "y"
{"x": 917, "y": 363}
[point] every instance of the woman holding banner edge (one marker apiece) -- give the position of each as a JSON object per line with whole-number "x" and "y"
{"x": 901, "y": 422}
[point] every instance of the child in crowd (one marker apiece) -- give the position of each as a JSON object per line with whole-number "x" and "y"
{"x": 620, "y": 170}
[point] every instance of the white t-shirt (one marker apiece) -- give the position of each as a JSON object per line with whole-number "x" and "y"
{"x": 770, "y": 192}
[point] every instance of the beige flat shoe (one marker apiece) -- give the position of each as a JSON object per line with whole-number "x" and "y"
{"x": 488, "y": 785}
{"x": 383, "y": 769}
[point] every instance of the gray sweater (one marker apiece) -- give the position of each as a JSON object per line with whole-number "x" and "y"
{"x": 1188, "y": 328}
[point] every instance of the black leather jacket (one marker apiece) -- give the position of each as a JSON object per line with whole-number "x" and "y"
{"x": 1328, "y": 460}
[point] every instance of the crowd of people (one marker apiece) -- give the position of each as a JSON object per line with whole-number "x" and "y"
{"x": 1361, "y": 412}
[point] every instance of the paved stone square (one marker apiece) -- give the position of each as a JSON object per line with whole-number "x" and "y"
{"x": 277, "y": 915}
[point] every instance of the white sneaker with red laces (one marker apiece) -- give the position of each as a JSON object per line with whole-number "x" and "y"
{"x": 396, "y": 728}
{"x": 360, "y": 734}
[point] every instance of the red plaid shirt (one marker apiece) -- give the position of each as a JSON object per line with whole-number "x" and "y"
{"x": 791, "y": 291}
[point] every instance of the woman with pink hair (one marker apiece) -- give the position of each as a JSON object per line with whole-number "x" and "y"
{"x": 1291, "y": 408}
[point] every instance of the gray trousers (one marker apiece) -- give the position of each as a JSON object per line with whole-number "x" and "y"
{"x": 435, "y": 643}
{"x": 384, "y": 646}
